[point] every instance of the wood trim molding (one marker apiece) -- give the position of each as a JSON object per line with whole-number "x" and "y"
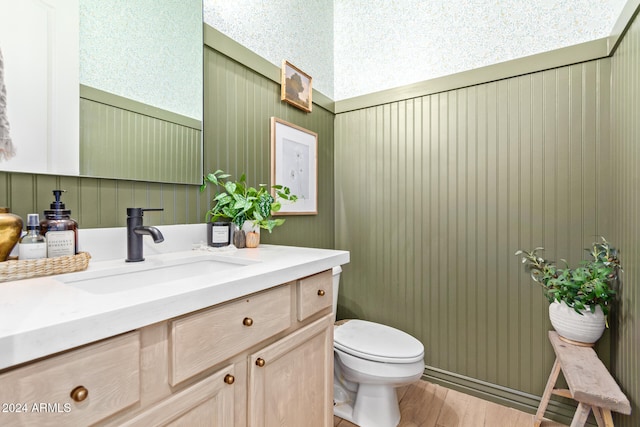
{"x": 97, "y": 95}
{"x": 628, "y": 14}
{"x": 215, "y": 40}
{"x": 530, "y": 64}
{"x": 557, "y": 411}
{"x": 583, "y": 52}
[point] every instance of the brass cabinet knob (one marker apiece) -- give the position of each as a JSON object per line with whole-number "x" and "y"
{"x": 229, "y": 379}
{"x": 321, "y": 292}
{"x": 79, "y": 393}
{"x": 247, "y": 321}
{"x": 260, "y": 362}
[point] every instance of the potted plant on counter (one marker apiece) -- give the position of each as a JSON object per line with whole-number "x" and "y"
{"x": 244, "y": 205}
{"x": 580, "y": 298}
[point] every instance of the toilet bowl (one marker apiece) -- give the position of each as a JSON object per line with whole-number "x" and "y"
{"x": 370, "y": 361}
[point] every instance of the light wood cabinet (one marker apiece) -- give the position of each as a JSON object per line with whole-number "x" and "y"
{"x": 313, "y": 294}
{"x": 78, "y": 387}
{"x": 291, "y": 381}
{"x": 208, "y": 403}
{"x": 206, "y": 338}
{"x": 202, "y": 368}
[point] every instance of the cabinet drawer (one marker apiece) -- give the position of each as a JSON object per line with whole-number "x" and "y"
{"x": 108, "y": 371}
{"x": 204, "y": 339}
{"x": 314, "y": 293}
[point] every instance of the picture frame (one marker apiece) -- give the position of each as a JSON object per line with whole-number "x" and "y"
{"x": 296, "y": 87}
{"x": 294, "y": 164}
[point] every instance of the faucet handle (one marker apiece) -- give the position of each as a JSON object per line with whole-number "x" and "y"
{"x": 136, "y": 212}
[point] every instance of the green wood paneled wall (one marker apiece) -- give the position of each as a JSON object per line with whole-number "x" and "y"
{"x": 115, "y": 142}
{"x": 238, "y": 106}
{"x": 97, "y": 203}
{"x": 625, "y": 125}
{"x": 435, "y": 194}
{"x": 432, "y": 197}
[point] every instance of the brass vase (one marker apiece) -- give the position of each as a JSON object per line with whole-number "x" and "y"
{"x": 10, "y": 231}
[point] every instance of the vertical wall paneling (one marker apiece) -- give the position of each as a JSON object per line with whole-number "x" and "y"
{"x": 119, "y": 143}
{"x": 451, "y": 185}
{"x": 623, "y": 193}
{"x": 238, "y": 105}
{"x": 432, "y": 195}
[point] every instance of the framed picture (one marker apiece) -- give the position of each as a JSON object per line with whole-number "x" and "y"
{"x": 296, "y": 87}
{"x": 294, "y": 164}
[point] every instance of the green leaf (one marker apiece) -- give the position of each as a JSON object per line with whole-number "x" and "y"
{"x": 230, "y": 187}
{"x": 239, "y": 219}
{"x": 222, "y": 198}
{"x": 264, "y": 204}
{"x": 239, "y": 202}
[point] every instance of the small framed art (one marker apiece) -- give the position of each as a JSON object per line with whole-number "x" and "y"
{"x": 294, "y": 164}
{"x": 296, "y": 87}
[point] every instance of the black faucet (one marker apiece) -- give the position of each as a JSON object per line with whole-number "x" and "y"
{"x": 135, "y": 231}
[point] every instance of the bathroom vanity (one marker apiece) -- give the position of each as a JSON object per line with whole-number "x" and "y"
{"x": 172, "y": 342}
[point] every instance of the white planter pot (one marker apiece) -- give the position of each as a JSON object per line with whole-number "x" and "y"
{"x": 586, "y": 328}
{"x": 249, "y": 226}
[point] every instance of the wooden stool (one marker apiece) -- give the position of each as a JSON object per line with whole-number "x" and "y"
{"x": 590, "y": 384}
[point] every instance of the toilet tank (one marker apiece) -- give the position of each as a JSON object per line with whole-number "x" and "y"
{"x": 336, "y": 286}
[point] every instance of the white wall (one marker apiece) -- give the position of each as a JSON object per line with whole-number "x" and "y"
{"x": 300, "y": 31}
{"x": 382, "y": 44}
{"x": 39, "y": 42}
{"x": 144, "y": 50}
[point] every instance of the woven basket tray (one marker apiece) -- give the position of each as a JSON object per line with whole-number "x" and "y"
{"x": 28, "y": 268}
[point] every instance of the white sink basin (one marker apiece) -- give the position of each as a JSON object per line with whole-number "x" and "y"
{"x": 134, "y": 276}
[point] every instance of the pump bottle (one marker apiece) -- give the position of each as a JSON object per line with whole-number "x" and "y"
{"x": 60, "y": 230}
{"x": 32, "y": 245}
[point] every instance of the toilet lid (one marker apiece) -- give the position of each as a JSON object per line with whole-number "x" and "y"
{"x": 380, "y": 343}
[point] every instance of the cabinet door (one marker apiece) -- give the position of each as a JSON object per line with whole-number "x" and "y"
{"x": 291, "y": 381}
{"x": 208, "y": 403}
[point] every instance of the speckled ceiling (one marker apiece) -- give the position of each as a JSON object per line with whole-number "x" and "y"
{"x": 355, "y": 47}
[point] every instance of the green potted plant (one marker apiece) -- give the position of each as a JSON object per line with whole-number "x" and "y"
{"x": 240, "y": 203}
{"x": 580, "y": 297}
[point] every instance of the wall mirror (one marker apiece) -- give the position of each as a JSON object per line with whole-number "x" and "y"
{"x": 104, "y": 88}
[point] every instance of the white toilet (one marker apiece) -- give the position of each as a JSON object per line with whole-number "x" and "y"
{"x": 370, "y": 361}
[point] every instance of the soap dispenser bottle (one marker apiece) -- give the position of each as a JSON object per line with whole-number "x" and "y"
{"x": 32, "y": 245}
{"x": 60, "y": 230}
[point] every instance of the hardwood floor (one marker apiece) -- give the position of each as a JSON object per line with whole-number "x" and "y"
{"x": 423, "y": 404}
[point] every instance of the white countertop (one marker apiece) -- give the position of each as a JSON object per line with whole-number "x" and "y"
{"x": 45, "y": 315}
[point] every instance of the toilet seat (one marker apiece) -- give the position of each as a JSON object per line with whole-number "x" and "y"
{"x": 376, "y": 342}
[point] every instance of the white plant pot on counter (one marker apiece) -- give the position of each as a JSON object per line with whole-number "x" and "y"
{"x": 583, "y": 328}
